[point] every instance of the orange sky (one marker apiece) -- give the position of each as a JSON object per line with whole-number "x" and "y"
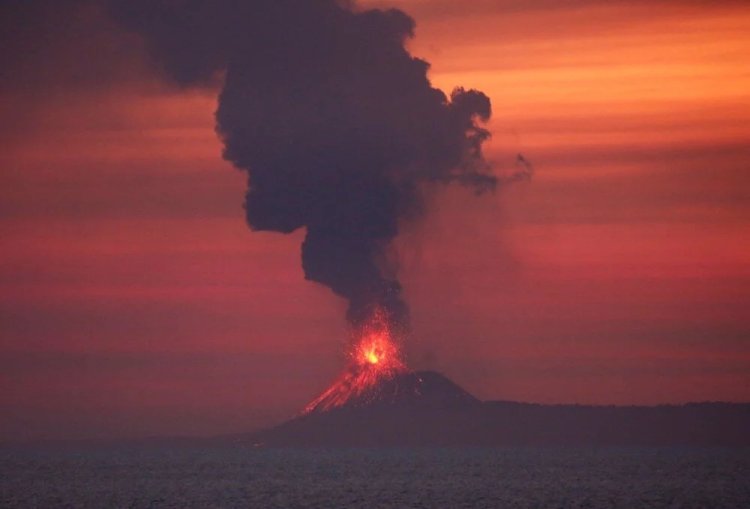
{"x": 136, "y": 301}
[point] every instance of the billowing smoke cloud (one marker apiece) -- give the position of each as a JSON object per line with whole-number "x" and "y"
{"x": 334, "y": 121}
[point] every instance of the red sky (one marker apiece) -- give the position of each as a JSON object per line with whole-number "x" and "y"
{"x": 135, "y": 301}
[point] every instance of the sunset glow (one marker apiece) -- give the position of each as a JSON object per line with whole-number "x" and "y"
{"x": 135, "y": 300}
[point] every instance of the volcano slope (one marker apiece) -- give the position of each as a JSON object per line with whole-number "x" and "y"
{"x": 420, "y": 409}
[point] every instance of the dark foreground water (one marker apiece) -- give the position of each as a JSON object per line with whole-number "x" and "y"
{"x": 440, "y": 478}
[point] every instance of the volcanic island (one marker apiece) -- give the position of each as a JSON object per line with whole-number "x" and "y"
{"x": 378, "y": 401}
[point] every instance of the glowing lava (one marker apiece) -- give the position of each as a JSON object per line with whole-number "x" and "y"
{"x": 376, "y": 349}
{"x": 374, "y": 356}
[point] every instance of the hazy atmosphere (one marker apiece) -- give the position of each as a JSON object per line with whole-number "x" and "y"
{"x": 135, "y": 300}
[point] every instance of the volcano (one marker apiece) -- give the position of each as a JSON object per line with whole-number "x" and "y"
{"x": 424, "y": 389}
{"x": 422, "y": 407}
{"x": 426, "y": 409}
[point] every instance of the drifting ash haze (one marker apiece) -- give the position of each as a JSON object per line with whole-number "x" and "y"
{"x": 338, "y": 129}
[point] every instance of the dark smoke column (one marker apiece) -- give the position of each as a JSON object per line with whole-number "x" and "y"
{"x": 335, "y": 123}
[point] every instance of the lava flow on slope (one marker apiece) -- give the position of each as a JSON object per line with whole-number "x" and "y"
{"x": 374, "y": 357}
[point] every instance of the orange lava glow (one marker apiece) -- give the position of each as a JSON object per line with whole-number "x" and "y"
{"x": 375, "y": 355}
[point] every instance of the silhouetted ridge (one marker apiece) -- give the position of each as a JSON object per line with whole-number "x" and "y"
{"x": 426, "y": 409}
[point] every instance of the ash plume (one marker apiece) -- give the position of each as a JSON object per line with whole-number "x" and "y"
{"x": 335, "y": 123}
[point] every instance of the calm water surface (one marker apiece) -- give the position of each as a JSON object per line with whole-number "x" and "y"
{"x": 439, "y": 478}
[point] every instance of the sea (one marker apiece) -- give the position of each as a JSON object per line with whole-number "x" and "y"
{"x": 245, "y": 477}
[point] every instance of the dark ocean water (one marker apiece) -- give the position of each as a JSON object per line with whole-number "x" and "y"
{"x": 441, "y": 478}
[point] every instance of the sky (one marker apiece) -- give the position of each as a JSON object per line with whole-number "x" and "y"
{"x": 135, "y": 301}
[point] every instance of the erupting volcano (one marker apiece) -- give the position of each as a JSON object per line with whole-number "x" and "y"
{"x": 375, "y": 357}
{"x": 340, "y": 133}
{"x": 342, "y": 136}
